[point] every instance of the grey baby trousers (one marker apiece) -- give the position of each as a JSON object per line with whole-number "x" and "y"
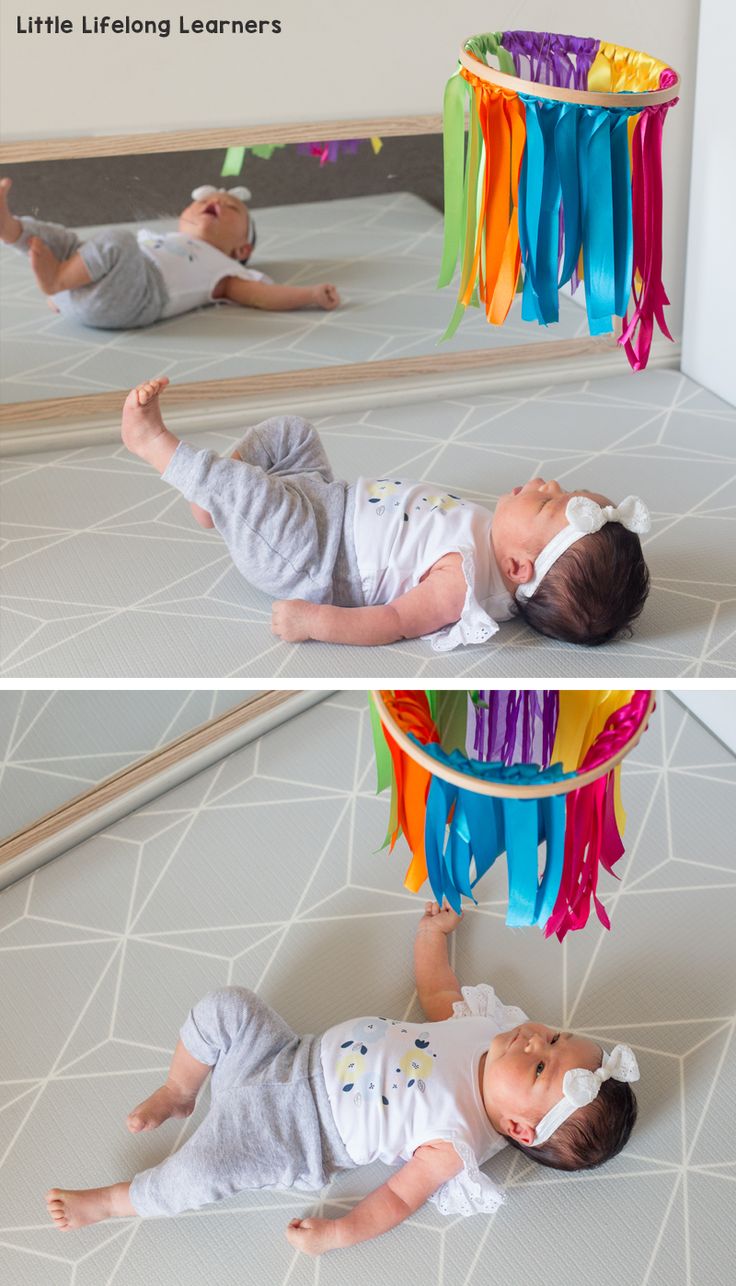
{"x": 286, "y": 521}
{"x": 270, "y": 1124}
{"x": 127, "y": 289}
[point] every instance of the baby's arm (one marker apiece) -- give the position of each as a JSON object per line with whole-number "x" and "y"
{"x": 431, "y": 1165}
{"x": 438, "y": 600}
{"x": 437, "y": 985}
{"x": 279, "y": 299}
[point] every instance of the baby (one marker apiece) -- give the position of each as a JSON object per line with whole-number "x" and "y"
{"x": 439, "y": 1098}
{"x": 385, "y": 559}
{"x": 117, "y": 280}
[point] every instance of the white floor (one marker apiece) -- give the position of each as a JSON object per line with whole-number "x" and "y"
{"x": 264, "y": 871}
{"x": 104, "y": 572}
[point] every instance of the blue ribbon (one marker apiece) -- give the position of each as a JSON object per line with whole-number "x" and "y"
{"x": 463, "y": 828}
{"x": 576, "y": 158}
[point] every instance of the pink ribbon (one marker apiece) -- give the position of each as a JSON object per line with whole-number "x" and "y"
{"x": 646, "y": 197}
{"x": 592, "y": 836}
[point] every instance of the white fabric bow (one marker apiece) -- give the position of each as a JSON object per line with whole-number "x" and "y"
{"x": 586, "y": 515}
{"x": 580, "y": 1087}
{"x": 201, "y": 193}
{"x": 583, "y": 517}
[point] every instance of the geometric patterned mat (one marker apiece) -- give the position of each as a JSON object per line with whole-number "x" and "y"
{"x": 382, "y": 253}
{"x": 53, "y": 745}
{"x": 105, "y": 573}
{"x": 263, "y": 871}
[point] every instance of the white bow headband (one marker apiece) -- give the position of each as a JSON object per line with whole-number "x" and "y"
{"x": 584, "y": 516}
{"x": 201, "y": 194}
{"x": 580, "y": 1087}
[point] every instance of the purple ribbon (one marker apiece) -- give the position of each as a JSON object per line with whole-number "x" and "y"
{"x": 514, "y": 727}
{"x": 552, "y": 59}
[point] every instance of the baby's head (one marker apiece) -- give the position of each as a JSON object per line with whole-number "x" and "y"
{"x": 523, "y": 1082}
{"x": 222, "y": 219}
{"x": 581, "y": 588}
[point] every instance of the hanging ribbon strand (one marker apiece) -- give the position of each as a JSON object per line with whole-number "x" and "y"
{"x": 558, "y": 182}
{"x": 459, "y": 812}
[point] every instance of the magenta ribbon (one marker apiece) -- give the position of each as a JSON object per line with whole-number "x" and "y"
{"x": 646, "y": 196}
{"x": 592, "y": 837}
{"x": 330, "y": 150}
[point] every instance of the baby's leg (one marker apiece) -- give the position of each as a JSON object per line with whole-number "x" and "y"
{"x": 143, "y": 430}
{"x": 176, "y": 1098}
{"x": 203, "y": 517}
{"x": 11, "y": 229}
{"x": 283, "y": 445}
{"x": 54, "y": 275}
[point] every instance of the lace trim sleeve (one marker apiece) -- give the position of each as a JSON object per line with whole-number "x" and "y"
{"x": 481, "y": 1001}
{"x": 469, "y": 1192}
{"x": 474, "y": 625}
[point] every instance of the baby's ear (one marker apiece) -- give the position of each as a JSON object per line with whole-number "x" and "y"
{"x": 521, "y": 1131}
{"x": 517, "y": 570}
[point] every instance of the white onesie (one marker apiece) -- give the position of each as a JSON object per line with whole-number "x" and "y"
{"x": 190, "y": 268}
{"x": 402, "y": 528}
{"x": 395, "y": 1085}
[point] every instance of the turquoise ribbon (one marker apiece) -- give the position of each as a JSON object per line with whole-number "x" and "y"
{"x": 464, "y": 828}
{"x": 576, "y": 158}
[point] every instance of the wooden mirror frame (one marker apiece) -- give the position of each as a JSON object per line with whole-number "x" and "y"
{"x": 309, "y": 381}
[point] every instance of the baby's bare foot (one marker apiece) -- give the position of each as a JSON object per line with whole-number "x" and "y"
{"x": 76, "y": 1209}
{"x": 143, "y": 430}
{"x": 326, "y": 296}
{"x": 159, "y": 1107}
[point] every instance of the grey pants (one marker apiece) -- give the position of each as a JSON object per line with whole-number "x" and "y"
{"x": 126, "y": 290}
{"x": 270, "y": 1124}
{"x": 284, "y": 518}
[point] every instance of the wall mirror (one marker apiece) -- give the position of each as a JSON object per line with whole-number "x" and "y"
{"x": 369, "y": 222}
{"x": 74, "y": 761}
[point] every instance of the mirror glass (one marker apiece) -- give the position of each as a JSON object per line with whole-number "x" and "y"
{"x": 56, "y": 745}
{"x": 364, "y": 216}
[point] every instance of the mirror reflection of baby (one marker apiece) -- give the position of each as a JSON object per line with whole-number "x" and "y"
{"x": 118, "y": 280}
{"x": 436, "y": 1098}
{"x": 384, "y": 559}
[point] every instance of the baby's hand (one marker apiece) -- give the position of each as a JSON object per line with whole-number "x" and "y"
{"x": 290, "y": 619}
{"x": 438, "y": 920}
{"x": 313, "y": 1236}
{"x": 325, "y": 296}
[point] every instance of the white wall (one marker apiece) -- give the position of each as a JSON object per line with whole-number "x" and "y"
{"x": 717, "y": 710}
{"x": 334, "y": 58}
{"x": 709, "y": 333}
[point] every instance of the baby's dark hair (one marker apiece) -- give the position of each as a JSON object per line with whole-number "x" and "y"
{"x": 594, "y": 591}
{"x": 251, "y": 238}
{"x": 592, "y": 1134}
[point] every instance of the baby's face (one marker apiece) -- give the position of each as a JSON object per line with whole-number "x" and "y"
{"x": 222, "y": 220}
{"x": 523, "y": 1073}
{"x": 535, "y": 512}
{"x": 525, "y": 520}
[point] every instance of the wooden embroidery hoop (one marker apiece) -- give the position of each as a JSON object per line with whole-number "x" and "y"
{"x": 584, "y": 97}
{"x": 507, "y": 790}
